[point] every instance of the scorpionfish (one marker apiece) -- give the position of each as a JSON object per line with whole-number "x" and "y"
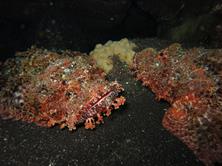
{"x": 50, "y": 88}
{"x": 194, "y": 93}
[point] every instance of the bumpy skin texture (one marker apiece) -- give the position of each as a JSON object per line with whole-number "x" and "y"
{"x": 48, "y": 88}
{"x": 195, "y": 115}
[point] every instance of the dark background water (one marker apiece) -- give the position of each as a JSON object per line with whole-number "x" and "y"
{"x": 80, "y": 24}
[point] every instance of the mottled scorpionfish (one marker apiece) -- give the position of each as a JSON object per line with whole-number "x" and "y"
{"x": 49, "y": 88}
{"x": 195, "y": 116}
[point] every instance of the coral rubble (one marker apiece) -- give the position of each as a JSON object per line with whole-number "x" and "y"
{"x": 182, "y": 78}
{"x": 49, "y": 88}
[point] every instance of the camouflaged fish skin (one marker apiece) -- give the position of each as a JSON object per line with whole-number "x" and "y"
{"x": 49, "y": 88}
{"x": 179, "y": 77}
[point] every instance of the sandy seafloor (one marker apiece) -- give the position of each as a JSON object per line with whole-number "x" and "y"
{"x": 132, "y": 135}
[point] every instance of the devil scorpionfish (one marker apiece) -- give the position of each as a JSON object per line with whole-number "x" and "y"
{"x": 195, "y": 115}
{"x": 49, "y": 88}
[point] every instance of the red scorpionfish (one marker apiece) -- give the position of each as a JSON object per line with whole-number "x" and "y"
{"x": 195, "y": 115}
{"x": 48, "y": 88}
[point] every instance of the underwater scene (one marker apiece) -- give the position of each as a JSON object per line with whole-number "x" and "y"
{"x": 111, "y": 82}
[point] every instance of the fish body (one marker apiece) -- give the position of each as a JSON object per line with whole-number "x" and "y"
{"x": 49, "y": 88}
{"x": 195, "y": 114}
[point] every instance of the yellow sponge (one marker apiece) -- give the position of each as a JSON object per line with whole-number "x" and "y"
{"x": 103, "y": 54}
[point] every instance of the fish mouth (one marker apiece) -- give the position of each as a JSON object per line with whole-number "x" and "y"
{"x": 98, "y": 106}
{"x": 92, "y": 113}
{"x": 102, "y": 105}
